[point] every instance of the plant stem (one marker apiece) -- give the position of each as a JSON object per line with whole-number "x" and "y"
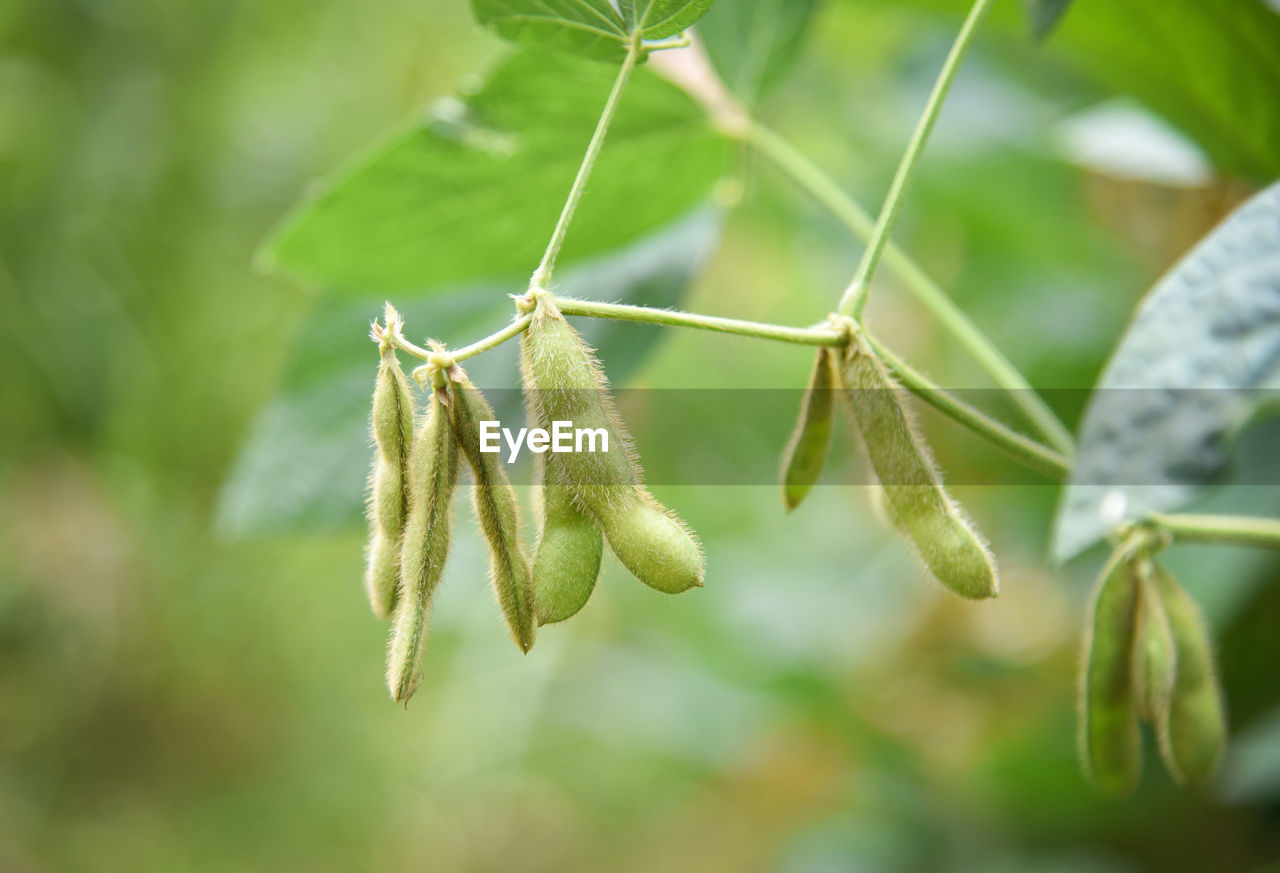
{"x": 1235, "y": 529}
{"x": 542, "y": 276}
{"x": 512, "y": 330}
{"x": 1027, "y": 451}
{"x": 808, "y": 336}
{"x": 824, "y": 189}
{"x": 1022, "y": 449}
{"x": 855, "y": 296}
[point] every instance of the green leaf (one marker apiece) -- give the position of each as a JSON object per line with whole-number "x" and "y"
{"x": 1211, "y": 67}
{"x": 589, "y": 27}
{"x": 474, "y": 190}
{"x": 754, "y": 43}
{"x": 662, "y": 18}
{"x": 1201, "y": 357}
{"x": 593, "y": 28}
{"x": 304, "y": 463}
{"x": 1045, "y": 15}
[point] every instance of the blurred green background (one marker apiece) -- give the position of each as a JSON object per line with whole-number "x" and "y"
{"x": 178, "y": 696}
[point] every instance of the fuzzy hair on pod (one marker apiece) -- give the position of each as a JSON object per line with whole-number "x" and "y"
{"x": 494, "y": 502}
{"x": 1194, "y": 731}
{"x": 388, "y": 508}
{"x": 428, "y": 530}
{"x": 1154, "y": 655}
{"x": 1110, "y": 745}
{"x": 564, "y": 382}
{"x": 566, "y": 561}
{"x": 913, "y": 497}
{"x": 806, "y": 451}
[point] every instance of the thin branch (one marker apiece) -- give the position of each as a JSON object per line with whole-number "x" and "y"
{"x": 542, "y": 276}
{"x": 808, "y": 336}
{"x": 855, "y": 297}
{"x": 1240, "y": 530}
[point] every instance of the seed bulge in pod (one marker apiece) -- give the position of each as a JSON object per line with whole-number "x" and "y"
{"x": 563, "y": 382}
{"x": 913, "y": 496}
{"x": 494, "y": 501}
{"x": 433, "y": 473}
{"x": 567, "y": 560}
{"x": 1194, "y": 731}
{"x": 1110, "y": 745}
{"x": 805, "y": 453}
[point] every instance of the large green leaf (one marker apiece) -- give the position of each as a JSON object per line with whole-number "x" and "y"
{"x": 1212, "y": 67}
{"x": 474, "y": 191}
{"x": 1209, "y": 67}
{"x": 304, "y": 463}
{"x": 594, "y": 28}
{"x": 1200, "y": 359}
{"x": 754, "y": 43}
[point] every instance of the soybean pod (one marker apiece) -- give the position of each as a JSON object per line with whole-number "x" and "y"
{"x": 913, "y": 495}
{"x": 1109, "y": 739}
{"x": 392, "y": 429}
{"x": 807, "y": 450}
{"x": 433, "y": 472}
{"x": 1194, "y": 730}
{"x": 494, "y": 502}
{"x": 567, "y": 559}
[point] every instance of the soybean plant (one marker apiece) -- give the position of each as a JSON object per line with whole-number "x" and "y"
{"x": 1146, "y": 655}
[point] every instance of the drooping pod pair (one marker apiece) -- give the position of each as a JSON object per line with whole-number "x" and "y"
{"x": 909, "y": 490}
{"x": 1146, "y": 656}
{"x": 591, "y": 496}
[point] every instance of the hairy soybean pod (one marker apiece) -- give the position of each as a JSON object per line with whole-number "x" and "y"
{"x": 1154, "y": 656}
{"x": 1110, "y": 744}
{"x": 913, "y": 496}
{"x": 563, "y": 382}
{"x": 805, "y": 453}
{"x": 567, "y": 561}
{"x": 392, "y": 427}
{"x": 495, "y": 506}
{"x": 433, "y": 470}
{"x": 1194, "y": 730}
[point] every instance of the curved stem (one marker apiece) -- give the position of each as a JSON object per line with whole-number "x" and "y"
{"x": 511, "y": 331}
{"x": 832, "y": 197}
{"x": 1022, "y": 449}
{"x": 542, "y": 276}
{"x": 855, "y": 296}
{"x": 1027, "y": 451}
{"x": 1235, "y": 529}
{"x": 808, "y": 336}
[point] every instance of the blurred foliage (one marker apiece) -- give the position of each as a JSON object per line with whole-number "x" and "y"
{"x": 173, "y": 701}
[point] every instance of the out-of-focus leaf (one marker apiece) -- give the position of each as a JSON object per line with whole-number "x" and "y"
{"x": 594, "y": 28}
{"x": 754, "y": 43}
{"x": 1200, "y": 358}
{"x": 1212, "y": 67}
{"x": 307, "y": 454}
{"x": 1209, "y": 67}
{"x": 474, "y": 191}
{"x": 1045, "y": 15}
